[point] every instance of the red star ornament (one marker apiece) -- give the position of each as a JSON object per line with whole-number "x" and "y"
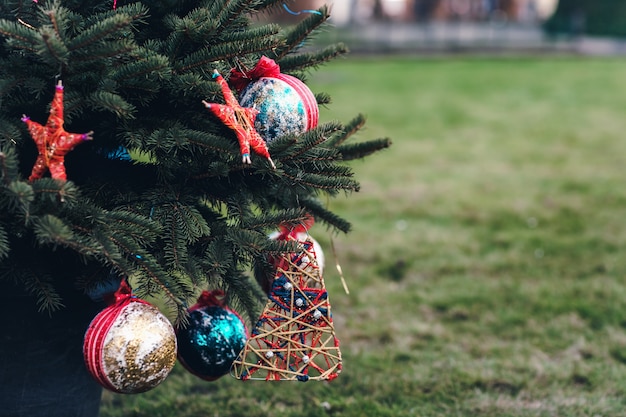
{"x": 241, "y": 120}
{"x": 52, "y": 141}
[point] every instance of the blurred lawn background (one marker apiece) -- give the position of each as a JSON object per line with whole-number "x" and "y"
{"x": 487, "y": 259}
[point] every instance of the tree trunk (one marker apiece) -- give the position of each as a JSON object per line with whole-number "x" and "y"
{"x": 42, "y": 372}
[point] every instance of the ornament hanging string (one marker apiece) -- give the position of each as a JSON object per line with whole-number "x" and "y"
{"x": 338, "y": 266}
{"x": 21, "y": 21}
{"x": 300, "y": 12}
{"x": 212, "y": 298}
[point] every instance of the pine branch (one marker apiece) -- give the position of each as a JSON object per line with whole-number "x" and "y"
{"x": 9, "y": 164}
{"x": 100, "y": 29}
{"x": 21, "y": 87}
{"x": 320, "y": 182}
{"x": 253, "y": 34}
{"x": 204, "y": 60}
{"x": 322, "y": 98}
{"x": 308, "y": 60}
{"x": 363, "y": 149}
{"x": 247, "y": 244}
{"x": 243, "y": 294}
{"x": 18, "y": 35}
{"x": 97, "y": 54}
{"x": 51, "y": 194}
{"x": 358, "y": 150}
{"x": 137, "y": 228}
{"x": 192, "y": 86}
{"x": 195, "y": 27}
{"x": 184, "y": 226}
{"x": 17, "y": 198}
{"x": 295, "y": 37}
{"x": 5, "y": 247}
{"x": 324, "y": 215}
{"x": 227, "y": 13}
{"x": 41, "y": 285}
{"x": 349, "y": 129}
{"x": 147, "y": 70}
{"x": 111, "y": 102}
{"x": 265, "y": 220}
{"x": 305, "y": 142}
{"x": 218, "y": 258}
{"x": 51, "y": 45}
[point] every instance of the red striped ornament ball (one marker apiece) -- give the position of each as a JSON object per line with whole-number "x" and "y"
{"x": 130, "y": 346}
{"x": 284, "y": 103}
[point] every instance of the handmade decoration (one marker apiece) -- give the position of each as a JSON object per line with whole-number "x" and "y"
{"x": 300, "y": 232}
{"x": 130, "y": 346}
{"x": 241, "y": 120}
{"x": 294, "y": 339}
{"x": 52, "y": 141}
{"x": 285, "y": 104}
{"x": 211, "y": 341}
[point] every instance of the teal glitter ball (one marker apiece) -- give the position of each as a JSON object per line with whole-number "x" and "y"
{"x": 211, "y": 342}
{"x": 285, "y": 105}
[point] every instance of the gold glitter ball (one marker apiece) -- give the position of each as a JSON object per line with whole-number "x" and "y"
{"x": 139, "y": 350}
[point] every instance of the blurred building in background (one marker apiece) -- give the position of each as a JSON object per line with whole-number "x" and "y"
{"x": 364, "y": 11}
{"x": 483, "y": 26}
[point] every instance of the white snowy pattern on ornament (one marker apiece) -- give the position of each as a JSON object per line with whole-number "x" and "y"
{"x": 281, "y": 109}
{"x": 139, "y": 349}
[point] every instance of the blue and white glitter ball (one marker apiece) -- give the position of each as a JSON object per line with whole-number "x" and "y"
{"x": 211, "y": 342}
{"x": 285, "y": 105}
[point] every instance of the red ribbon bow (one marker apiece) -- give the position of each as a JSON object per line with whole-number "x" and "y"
{"x": 266, "y": 67}
{"x": 292, "y": 230}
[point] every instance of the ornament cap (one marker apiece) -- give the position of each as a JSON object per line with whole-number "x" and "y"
{"x": 265, "y": 67}
{"x": 211, "y": 298}
{"x": 124, "y": 292}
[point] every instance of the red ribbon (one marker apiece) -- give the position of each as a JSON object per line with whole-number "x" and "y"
{"x": 292, "y": 230}
{"x": 124, "y": 292}
{"x": 209, "y": 299}
{"x": 266, "y": 67}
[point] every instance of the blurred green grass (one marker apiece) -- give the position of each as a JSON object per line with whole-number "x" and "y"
{"x": 485, "y": 266}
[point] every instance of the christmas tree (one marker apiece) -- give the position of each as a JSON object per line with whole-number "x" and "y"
{"x": 153, "y": 186}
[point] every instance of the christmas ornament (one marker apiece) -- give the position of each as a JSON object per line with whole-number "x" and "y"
{"x": 285, "y": 104}
{"x": 294, "y": 339}
{"x": 52, "y": 141}
{"x": 241, "y": 120}
{"x": 130, "y": 346}
{"x": 213, "y": 338}
{"x": 300, "y": 233}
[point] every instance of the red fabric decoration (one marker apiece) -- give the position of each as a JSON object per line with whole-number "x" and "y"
{"x": 52, "y": 141}
{"x": 241, "y": 120}
{"x": 293, "y": 231}
{"x": 266, "y": 67}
